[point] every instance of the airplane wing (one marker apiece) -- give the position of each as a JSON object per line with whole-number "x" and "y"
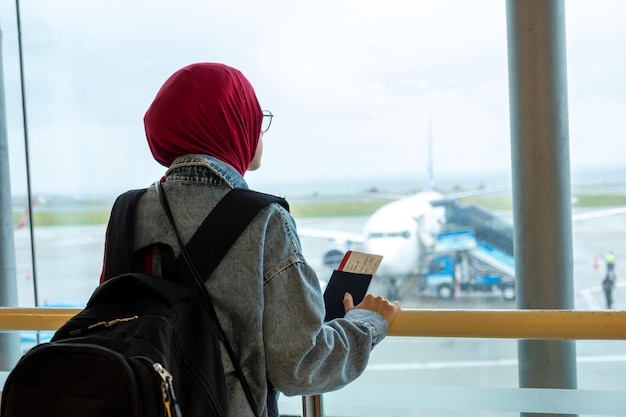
{"x": 336, "y": 235}
{"x": 595, "y": 214}
{"x": 445, "y": 197}
{"x": 434, "y": 199}
{"x": 475, "y": 193}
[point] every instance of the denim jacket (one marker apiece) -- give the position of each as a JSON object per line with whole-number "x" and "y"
{"x": 267, "y": 297}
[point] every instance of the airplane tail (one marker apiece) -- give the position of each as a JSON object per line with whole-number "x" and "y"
{"x": 24, "y": 220}
{"x": 430, "y": 174}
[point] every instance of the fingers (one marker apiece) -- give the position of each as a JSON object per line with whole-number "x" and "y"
{"x": 380, "y": 305}
{"x": 348, "y": 302}
{"x": 392, "y": 310}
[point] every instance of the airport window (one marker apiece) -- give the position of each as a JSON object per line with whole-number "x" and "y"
{"x": 390, "y": 134}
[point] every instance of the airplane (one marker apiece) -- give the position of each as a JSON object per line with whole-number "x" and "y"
{"x": 400, "y": 231}
{"x": 24, "y": 219}
{"x": 405, "y": 229}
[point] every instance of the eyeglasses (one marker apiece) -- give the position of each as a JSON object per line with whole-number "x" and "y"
{"x": 267, "y": 120}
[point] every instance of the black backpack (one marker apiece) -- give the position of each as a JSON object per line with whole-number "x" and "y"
{"x": 144, "y": 346}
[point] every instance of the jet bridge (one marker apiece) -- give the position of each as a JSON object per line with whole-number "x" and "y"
{"x": 494, "y": 258}
{"x": 477, "y": 254}
{"x": 488, "y": 227}
{"x": 480, "y": 244}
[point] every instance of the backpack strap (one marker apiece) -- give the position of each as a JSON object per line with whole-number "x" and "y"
{"x": 224, "y": 224}
{"x": 215, "y": 236}
{"x": 242, "y": 204}
{"x": 119, "y": 251}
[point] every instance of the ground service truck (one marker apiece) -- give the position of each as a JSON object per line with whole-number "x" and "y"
{"x": 474, "y": 254}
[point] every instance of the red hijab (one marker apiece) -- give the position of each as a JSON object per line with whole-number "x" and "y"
{"x": 205, "y": 108}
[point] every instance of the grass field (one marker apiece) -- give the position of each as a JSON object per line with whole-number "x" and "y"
{"x": 325, "y": 207}
{"x": 579, "y": 201}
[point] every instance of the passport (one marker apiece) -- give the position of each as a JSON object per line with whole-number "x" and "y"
{"x": 353, "y": 275}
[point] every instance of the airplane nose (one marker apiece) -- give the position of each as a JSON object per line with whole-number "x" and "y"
{"x": 399, "y": 255}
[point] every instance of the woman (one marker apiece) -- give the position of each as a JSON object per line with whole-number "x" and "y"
{"x": 205, "y": 126}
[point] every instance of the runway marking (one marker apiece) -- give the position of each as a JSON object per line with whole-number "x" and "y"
{"x": 590, "y": 300}
{"x": 413, "y": 366}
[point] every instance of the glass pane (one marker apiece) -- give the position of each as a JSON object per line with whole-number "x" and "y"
{"x": 469, "y": 377}
{"x": 596, "y": 105}
{"x": 374, "y": 103}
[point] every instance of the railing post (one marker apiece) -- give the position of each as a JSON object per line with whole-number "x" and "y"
{"x": 9, "y": 342}
{"x": 312, "y": 406}
{"x": 541, "y": 182}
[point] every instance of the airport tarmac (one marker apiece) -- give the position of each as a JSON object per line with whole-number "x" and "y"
{"x": 489, "y": 363}
{"x": 73, "y": 255}
{"x": 70, "y": 259}
{"x": 591, "y": 240}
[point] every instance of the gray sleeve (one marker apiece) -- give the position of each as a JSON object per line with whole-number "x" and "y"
{"x": 304, "y": 355}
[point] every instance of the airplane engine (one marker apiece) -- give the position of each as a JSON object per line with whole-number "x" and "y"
{"x": 333, "y": 254}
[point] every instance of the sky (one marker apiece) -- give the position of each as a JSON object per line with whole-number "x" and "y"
{"x": 355, "y": 86}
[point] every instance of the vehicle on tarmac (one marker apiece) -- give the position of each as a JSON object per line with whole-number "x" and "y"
{"x": 450, "y": 274}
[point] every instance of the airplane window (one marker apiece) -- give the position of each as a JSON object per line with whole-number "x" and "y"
{"x": 405, "y": 234}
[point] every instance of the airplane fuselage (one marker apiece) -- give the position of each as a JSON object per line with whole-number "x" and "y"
{"x": 400, "y": 230}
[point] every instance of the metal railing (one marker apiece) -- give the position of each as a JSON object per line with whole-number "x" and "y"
{"x": 501, "y": 324}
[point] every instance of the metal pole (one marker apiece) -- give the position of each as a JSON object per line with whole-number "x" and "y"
{"x": 31, "y": 223}
{"x": 9, "y": 342}
{"x": 541, "y": 182}
{"x": 312, "y": 406}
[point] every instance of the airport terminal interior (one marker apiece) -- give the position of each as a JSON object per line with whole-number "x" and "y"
{"x": 476, "y": 148}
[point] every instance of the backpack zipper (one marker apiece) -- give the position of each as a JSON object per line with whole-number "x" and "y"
{"x": 100, "y": 324}
{"x": 190, "y": 370}
{"x": 168, "y": 396}
{"x": 199, "y": 381}
{"x": 167, "y": 389}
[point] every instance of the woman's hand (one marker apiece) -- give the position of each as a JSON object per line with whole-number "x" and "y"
{"x": 377, "y": 304}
